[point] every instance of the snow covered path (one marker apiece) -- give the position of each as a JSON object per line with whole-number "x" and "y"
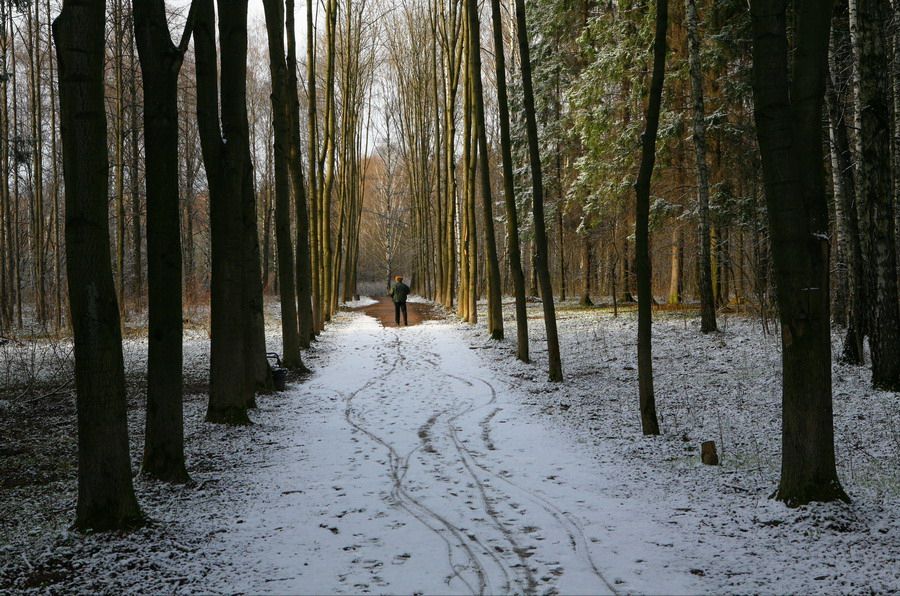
{"x": 404, "y": 466}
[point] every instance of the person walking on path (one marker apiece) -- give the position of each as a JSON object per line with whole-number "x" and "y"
{"x": 399, "y": 292}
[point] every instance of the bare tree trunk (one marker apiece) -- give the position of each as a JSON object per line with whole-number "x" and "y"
{"x": 137, "y": 277}
{"x": 495, "y": 299}
{"x": 160, "y": 64}
{"x": 6, "y": 299}
{"x": 845, "y": 192}
{"x": 37, "y": 155}
{"x": 298, "y": 187}
{"x": 327, "y": 188}
{"x": 512, "y": 217}
{"x": 649, "y": 422}
{"x": 871, "y": 77}
{"x": 12, "y": 220}
{"x": 676, "y": 282}
{"x": 707, "y": 302}
{"x": 468, "y": 239}
{"x": 118, "y": 24}
{"x": 587, "y": 266}
{"x": 789, "y": 126}
{"x": 231, "y": 387}
{"x": 537, "y": 183}
{"x": 106, "y": 498}
{"x": 281, "y": 118}
{"x": 313, "y": 149}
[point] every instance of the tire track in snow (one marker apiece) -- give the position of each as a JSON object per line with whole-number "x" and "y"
{"x": 467, "y": 458}
{"x": 574, "y": 530}
{"x": 398, "y": 468}
{"x": 432, "y": 421}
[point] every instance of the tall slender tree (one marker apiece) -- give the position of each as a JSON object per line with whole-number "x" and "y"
{"x": 707, "y": 300}
{"x": 161, "y": 62}
{"x": 298, "y": 188}
{"x": 537, "y": 199}
{"x": 871, "y": 43}
{"x": 514, "y": 251}
{"x": 226, "y": 158}
{"x": 838, "y": 87}
{"x": 649, "y": 422}
{"x": 788, "y": 112}
{"x": 106, "y": 498}
{"x": 281, "y": 118}
{"x": 495, "y": 303}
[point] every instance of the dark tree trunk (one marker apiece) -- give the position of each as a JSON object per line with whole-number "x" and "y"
{"x": 707, "y": 302}
{"x": 231, "y": 389}
{"x": 106, "y": 498}
{"x": 788, "y": 116}
{"x": 873, "y": 93}
{"x": 160, "y": 63}
{"x": 845, "y": 193}
{"x": 537, "y": 201}
{"x": 512, "y": 218}
{"x": 298, "y": 186}
{"x": 494, "y": 290}
{"x": 281, "y": 118}
{"x": 649, "y": 422}
{"x": 587, "y": 266}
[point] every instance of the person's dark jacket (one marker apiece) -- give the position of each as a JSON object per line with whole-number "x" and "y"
{"x": 399, "y": 292}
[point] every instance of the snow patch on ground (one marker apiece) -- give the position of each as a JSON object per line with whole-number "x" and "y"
{"x": 427, "y": 459}
{"x": 724, "y": 387}
{"x": 363, "y": 302}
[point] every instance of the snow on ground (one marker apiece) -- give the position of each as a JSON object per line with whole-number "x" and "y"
{"x": 363, "y": 302}
{"x": 723, "y": 387}
{"x": 427, "y": 460}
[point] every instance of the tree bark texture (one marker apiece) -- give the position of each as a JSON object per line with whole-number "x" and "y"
{"x": 298, "y": 187}
{"x": 160, "y": 64}
{"x": 537, "y": 201}
{"x": 106, "y": 498}
{"x": 847, "y": 206}
{"x": 649, "y": 421}
{"x": 871, "y": 45}
{"x": 231, "y": 387}
{"x": 707, "y": 301}
{"x": 495, "y": 298}
{"x": 281, "y": 119}
{"x": 788, "y": 113}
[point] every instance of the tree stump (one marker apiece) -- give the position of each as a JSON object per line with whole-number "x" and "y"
{"x": 708, "y": 454}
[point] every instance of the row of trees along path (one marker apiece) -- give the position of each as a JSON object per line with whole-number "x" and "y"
{"x": 318, "y": 204}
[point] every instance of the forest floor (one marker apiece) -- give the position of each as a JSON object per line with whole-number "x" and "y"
{"x": 427, "y": 460}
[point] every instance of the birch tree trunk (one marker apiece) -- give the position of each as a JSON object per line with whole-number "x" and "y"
{"x": 846, "y": 192}
{"x": 869, "y": 19}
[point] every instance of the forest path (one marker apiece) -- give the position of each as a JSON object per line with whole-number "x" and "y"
{"x": 404, "y": 466}
{"x": 417, "y": 312}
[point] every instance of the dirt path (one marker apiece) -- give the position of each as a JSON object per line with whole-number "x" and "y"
{"x": 383, "y": 312}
